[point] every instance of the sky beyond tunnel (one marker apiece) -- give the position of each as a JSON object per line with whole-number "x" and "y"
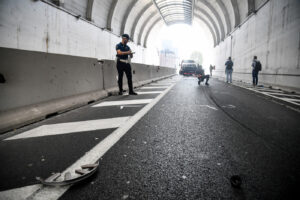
{"x": 185, "y": 39}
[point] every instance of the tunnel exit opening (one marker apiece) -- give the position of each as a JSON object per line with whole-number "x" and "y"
{"x": 178, "y": 42}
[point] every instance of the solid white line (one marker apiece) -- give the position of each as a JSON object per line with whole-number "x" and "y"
{"x": 53, "y": 193}
{"x": 121, "y": 103}
{"x": 71, "y": 127}
{"x": 150, "y": 92}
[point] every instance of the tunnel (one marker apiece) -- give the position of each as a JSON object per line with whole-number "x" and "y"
{"x": 208, "y": 106}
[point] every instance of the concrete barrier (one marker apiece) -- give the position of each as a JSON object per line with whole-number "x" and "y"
{"x": 40, "y": 84}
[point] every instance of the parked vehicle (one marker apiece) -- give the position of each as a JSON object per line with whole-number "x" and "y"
{"x": 188, "y": 67}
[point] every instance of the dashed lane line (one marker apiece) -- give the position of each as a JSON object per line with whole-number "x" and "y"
{"x": 208, "y": 106}
{"x": 71, "y": 127}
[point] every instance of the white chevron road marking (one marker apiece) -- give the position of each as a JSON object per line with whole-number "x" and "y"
{"x": 71, "y": 127}
{"x": 150, "y": 92}
{"x": 121, "y": 103}
{"x": 97, "y": 152}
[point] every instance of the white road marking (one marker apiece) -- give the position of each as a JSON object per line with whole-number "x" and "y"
{"x": 71, "y": 127}
{"x": 288, "y": 99}
{"x": 282, "y": 94}
{"x": 268, "y": 90}
{"x": 211, "y": 107}
{"x": 150, "y": 92}
{"x": 53, "y": 193}
{"x": 154, "y": 87}
{"x": 284, "y": 99}
{"x": 121, "y": 103}
{"x": 19, "y": 193}
{"x": 229, "y": 106}
{"x": 167, "y": 82}
{"x": 292, "y": 101}
{"x": 130, "y": 106}
{"x": 160, "y": 84}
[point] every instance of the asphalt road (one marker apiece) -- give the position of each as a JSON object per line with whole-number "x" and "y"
{"x": 186, "y": 147}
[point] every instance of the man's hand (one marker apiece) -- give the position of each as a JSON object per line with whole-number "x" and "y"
{"x": 131, "y": 54}
{"x": 119, "y": 52}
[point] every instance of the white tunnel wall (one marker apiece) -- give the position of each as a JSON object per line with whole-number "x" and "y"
{"x": 50, "y": 62}
{"x": 273, "y": 36}
{"x": 37, "y": 26}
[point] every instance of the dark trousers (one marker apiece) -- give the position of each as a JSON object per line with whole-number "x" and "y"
{"x": 255, "y": 77}
{"x": 124, "y": 67}
{"x": 204, "y": 77}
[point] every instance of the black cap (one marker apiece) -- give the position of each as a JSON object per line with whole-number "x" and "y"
{"x": 125, "y": 36}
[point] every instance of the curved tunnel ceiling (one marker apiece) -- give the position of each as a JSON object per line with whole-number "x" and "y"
{"x": 139, "y": 17}
{"x": 175, "y": 11}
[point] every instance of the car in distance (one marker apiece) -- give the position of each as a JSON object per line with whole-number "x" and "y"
{"x": 188, "y": 68}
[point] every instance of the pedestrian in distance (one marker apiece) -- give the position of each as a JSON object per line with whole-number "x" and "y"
{"x": 123, "y": 64}
{"x": 229, "y": 70}
{"x": 210, "y": 69}
{"x": 201, "y": 75}
{"x": 256, "y": 67}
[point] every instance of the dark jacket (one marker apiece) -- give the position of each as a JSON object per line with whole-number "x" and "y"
{"x": 122, "y": 48}
{"x": 229, "y": 65}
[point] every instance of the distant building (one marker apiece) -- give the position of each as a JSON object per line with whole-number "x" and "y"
{"x": 168, "y": 58}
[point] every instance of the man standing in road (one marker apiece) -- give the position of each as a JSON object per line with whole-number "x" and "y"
{"x": 228, "y": 70}
{"x": 256, "y": 67}
{"x": 123, "y": 65}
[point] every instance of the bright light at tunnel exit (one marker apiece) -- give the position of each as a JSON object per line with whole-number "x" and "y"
{"x": 185, "y": 39}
